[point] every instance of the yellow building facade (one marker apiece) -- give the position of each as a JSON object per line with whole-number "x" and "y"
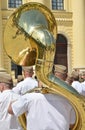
{"x": 70, "y": 24}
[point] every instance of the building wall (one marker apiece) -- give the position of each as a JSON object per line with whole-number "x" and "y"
{"x": 70, "y": 23}
{"x": 1, "y": 42}
{"x": 78, "y": 33}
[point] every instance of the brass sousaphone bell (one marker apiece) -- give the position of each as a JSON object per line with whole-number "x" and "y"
{"x": 27, "y": 25}
{"x": 29, "y": 39}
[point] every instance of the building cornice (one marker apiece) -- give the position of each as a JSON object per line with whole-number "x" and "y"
{"x": 63, "y": 18}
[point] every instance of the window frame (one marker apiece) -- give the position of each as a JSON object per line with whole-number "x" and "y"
{"x": 57, "y": 5}
{"x": 15, "y": 3}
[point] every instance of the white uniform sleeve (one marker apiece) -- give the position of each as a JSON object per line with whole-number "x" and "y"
{"x": 77, "y": 86}
{"x": 20, "y": 106}
{"x": 18, "y": 88}
{"x": 83, "y": 88}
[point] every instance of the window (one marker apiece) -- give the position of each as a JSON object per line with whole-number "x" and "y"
{"x": 61, "y": 50}
{"x": 14, "y": 3}
{"x": 57, "y": 4}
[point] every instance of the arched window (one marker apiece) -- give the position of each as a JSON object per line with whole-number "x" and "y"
{"x": 61, "y": 50}
{"x": 14, "y": 3}
{"x": 57, "y": 4}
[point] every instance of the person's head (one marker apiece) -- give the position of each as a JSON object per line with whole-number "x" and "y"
{"x": 75, "y": 75}
{"x": 69, "y": 79}
{"x": 83, "y": 75}
{"x": 60, "y": 71}
{"x": 6, "y": 81}
{"x": 28, "y": 71}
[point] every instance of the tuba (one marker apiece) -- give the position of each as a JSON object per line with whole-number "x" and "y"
{"x": 29, "y": 39}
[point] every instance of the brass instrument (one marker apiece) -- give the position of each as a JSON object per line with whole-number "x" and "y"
{"x": 29, "y": 39}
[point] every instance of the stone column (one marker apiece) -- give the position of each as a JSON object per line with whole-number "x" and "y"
{"x": 1, "y": 46}
{"x": 69, "y": 50}
{"x": 78, "y": 9}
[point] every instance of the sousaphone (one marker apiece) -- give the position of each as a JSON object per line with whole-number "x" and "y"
{"x": 29, "y": 39}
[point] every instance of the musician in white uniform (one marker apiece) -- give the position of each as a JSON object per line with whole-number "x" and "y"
{"x": 76, "y": 83}
{"x": 60, "y": 71}
{"x": 28, "y": 83}
{"x": 44, "y": 111}
{"x": 83, "y": 84}
{"x": 7, "y": 121}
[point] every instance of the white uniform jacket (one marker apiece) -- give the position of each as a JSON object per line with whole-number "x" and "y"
{"x": 25, "y": 85}
{"x": 45, "y": 112}
{"x": 7, "y": 121}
